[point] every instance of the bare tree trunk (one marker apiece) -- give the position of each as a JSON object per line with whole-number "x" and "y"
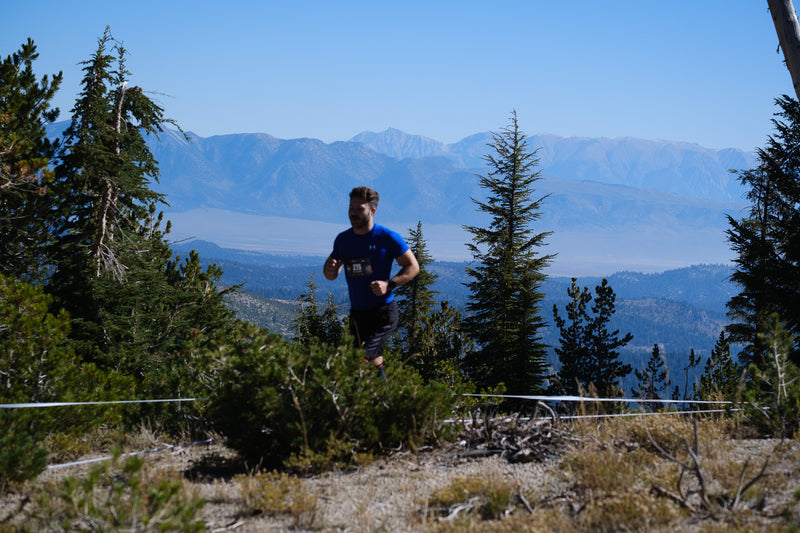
{"x": 104, "y": 255}
{"x": 788, "y": 29}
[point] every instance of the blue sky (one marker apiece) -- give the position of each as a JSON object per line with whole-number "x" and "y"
{"x": 702, "y": 71}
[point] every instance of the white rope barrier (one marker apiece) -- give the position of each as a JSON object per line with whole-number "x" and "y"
{"x": 591, "y": 399}
{"x": 115, "y": 402}
{"x": 62, "y": 404}
{"x": 523, "y": 397}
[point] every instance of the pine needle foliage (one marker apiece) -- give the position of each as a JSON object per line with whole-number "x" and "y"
{"x": 311, "y": 325}
{"x": 652, "y": 380}
{"x": 721, "y": 378}
{"x": 772, "y": 395}
{"x": 767, "y": 242}
{"x": 37, "y": 365}
{"x": 416, "y": 304}
{"x": 25, "y": 154}
{"x": 589, "y": 353}
{"x": 504, "y": 315}
{"x": 314, "y": 406}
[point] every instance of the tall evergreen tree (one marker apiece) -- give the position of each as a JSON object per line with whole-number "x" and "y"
{"x": 415, "y": 299}
{"x": 607, "y": 370}
{"x": 134, "y": 308}
{"x": 103, "y": 182}
{"x": 588, "y": 352}
{"x": 504, "y": 308}
{"x": 25, "y": 154}
{"x": 767, "y": 241}
{"x": 573, "y": 350}
{"x": 652, "y": 379}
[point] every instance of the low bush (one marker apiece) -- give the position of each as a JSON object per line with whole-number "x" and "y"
{"x": 314, "y": 406}
{"x": 772, "y": 394}
{"x": 116, "y": 496}
{"x": 37, "y": 365}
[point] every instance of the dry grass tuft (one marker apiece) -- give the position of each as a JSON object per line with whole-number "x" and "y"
{"x": 277, "y": 493}
{"x": 486, "y": 497}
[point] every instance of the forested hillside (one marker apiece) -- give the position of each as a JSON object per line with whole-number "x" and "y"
{"x": 680, "y": 310}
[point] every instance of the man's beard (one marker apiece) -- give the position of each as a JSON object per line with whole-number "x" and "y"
{"x": 359, "y": 222}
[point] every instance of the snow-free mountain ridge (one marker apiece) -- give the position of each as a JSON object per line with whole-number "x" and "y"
{"x": 611, "y": 204}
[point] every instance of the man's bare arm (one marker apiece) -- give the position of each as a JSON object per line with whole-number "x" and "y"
{"x": 410, "y": 268}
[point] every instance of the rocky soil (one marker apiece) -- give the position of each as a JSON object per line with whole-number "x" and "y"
{"x": 393, "y": 493}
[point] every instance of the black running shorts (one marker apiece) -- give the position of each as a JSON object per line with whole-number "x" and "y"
{"x": 373, "y": 327}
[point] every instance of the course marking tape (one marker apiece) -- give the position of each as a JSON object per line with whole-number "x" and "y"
{"x": 61, "y": 404}
{"x": 612, "y": 415}
{"x": 590, "y": 399}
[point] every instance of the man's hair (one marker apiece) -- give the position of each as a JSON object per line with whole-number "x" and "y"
{"x": 366, "y": 194}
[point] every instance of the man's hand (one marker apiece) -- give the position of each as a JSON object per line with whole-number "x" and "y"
{"x": 331, "y": 268}
{"x": 379, "y": 287}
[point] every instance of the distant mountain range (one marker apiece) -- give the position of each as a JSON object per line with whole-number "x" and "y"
{"x": 680, "y": 168}
{"x": 612, "y": 204}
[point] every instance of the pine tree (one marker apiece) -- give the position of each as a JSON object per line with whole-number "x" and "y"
{"x": 693, "y": 362}
{"x": 332, "y": 324}
{"x": 25, "y": 154}
{"x": 504, "y": 307}
{"x": 771, "y": 397}
{"x": 135, "y": 308}
{"x": 311, "y": 326}
{"x": 588, "y": 352}
{"x": 573, "y": 350}
{"x": 767, "y": 242}
{"x": 444, "y": 343}
{"x": 606, "y": 370}
{"x": 652, "y": 379}
{"x": 306, "y": 322}
{"x": 415, "y": 300}
{"x": 721, "y": 376}
{"x": 102, "y": 184}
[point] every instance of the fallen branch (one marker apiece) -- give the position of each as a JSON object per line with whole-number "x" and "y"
{"x": 707, "y": 503}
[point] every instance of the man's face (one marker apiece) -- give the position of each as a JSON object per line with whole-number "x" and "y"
{"x": 360, "y": 214}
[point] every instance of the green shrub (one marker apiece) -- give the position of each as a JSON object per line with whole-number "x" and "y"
{"x": 117, "y": 497}
{"x": 772, "y": 395}
{"x": 36, "y": 365}
{"x": 277, "y": 401}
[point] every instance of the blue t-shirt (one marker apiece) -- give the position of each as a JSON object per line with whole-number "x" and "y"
{"x": 367, "y": 258}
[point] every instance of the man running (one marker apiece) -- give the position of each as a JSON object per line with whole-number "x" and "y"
{"x": 367, "y": 251}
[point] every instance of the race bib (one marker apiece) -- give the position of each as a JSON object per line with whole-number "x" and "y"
{"x": 358, "y": 267}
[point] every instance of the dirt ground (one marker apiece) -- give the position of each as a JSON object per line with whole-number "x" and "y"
{"x": 385, "y": 495}
{"x": 390, "y": 494}
{"x": 590, "y": 477}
